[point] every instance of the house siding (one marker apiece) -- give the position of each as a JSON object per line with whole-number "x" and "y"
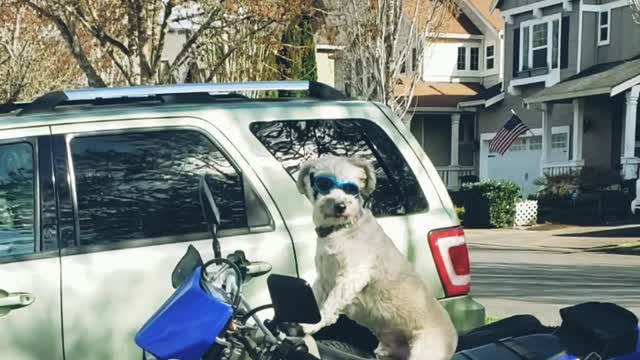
{"x": 598, "y": 120}
{"x": 494, "y": 117}
{"x": 434, "y": 133}
{"x": 623, "y": 42}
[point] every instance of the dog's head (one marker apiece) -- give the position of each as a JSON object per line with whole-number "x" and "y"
{"x": 336, "y": 186}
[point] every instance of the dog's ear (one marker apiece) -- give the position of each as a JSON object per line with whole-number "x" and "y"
{"x": 370, "y": 173}
{"x": 304, "y": 182}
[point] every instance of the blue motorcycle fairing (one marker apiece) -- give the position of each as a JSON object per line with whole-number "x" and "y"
{"x": 187, "y": 324}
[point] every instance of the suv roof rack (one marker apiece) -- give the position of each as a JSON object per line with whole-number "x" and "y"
{"x": 180, "y": 93}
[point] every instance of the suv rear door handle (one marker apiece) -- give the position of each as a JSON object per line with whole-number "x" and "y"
{"x": 12, "y": 301}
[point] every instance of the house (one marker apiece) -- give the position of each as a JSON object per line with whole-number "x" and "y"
{"x": 571, "y": 71}
{"x": 462, "y": 66}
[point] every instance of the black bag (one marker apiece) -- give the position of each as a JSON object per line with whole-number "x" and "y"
{"x": 513, "y": 326}
{"x": 604, "y": 328}
{"x": 530, "y": 347}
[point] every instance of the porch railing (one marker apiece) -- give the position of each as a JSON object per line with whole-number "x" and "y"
{"x": 561, "y": 169}
{"x": 452, "y": 176}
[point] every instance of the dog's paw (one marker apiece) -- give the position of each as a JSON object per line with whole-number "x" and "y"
{"x": 310, "y": 329}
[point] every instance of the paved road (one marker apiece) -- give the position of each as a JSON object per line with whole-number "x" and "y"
{"x": 513, "y": 276}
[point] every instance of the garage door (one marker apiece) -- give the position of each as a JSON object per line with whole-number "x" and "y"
{"x": 521, "y": 163}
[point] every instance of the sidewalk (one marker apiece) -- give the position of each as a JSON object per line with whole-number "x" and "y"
{"x": 554, "y": 238}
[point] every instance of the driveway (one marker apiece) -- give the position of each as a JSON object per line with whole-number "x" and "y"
{"x": 540, "y": 271}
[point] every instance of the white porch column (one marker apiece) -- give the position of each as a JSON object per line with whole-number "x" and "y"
{"x": 629, "y": 161}
{"x": 578, "y": 130}
{"x": 547, "y": 110}
{"x": 453, "y": 180}
{"x": 455, "y": 139}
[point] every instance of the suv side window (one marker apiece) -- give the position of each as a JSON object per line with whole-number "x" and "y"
{"x": 141, "y": 185}
{"x": 17, "y": 199}
{"x": 292, "y": 142}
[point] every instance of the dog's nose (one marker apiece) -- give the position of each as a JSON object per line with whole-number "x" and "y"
{"x": 339, "y": 208}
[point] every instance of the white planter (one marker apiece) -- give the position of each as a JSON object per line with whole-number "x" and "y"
{"x": 526, "y": 213}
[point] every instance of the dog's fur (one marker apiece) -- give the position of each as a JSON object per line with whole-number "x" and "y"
{"x": 363, "y": 275}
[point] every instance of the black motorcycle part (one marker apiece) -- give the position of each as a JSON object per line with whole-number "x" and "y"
{"x": 530, "y": 347}
{"x": 604, "y": 328}
{"x": 514, "y": 326}
{"x": 337, "y": 350}
{"x": 348, "y": 331}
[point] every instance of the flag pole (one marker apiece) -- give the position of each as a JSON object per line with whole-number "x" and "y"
{"x": 529, "y": 130}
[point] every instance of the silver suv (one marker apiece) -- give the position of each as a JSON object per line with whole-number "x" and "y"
{"x": 99, "y": 200}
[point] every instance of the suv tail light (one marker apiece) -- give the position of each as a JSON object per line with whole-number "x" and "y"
{"x": 450, "y": 253}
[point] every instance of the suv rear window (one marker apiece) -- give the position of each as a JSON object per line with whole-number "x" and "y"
{"x": 292, "y": 142}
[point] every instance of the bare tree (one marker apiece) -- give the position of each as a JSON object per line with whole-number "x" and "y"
{"x": 635, "y": 10}
{"x": 384, "y": 43}
{"x": 33, "y": 59}
{"x": 132, "y": 34}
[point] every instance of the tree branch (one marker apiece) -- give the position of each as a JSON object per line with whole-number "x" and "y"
{"x": 73, "y": 43}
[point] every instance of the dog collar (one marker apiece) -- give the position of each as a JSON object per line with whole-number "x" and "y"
{"x": 324, "y": 231}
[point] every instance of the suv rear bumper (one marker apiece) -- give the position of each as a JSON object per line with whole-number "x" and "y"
{"x": 466, "y": 313}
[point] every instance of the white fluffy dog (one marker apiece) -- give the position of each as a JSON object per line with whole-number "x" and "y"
{"x": 362, "y": 274}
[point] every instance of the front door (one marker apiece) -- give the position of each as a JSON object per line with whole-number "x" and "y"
{"x": 30, "y": 311}
{"x": 135, "y": 192}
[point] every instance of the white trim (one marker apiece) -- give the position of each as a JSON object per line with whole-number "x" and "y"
{"x": 579, "y": 59}
{"x": 600, "y": 27}
{"x": 486, "y": 102}
{"x": 494, "y": 100}
{"x": 548, "y": 20}
{"x": 502, "y": 52}
{"x": 529, "y": 80}
{"x": 459, "y": 36}
{"x": 603, "y": 7}
{"x": 487, "y": 58}
{"x": 531, "y": 7}
{"x": 464, "y": 104}
{"x": 568, "y": 163}
{"x": 625, "y": 85}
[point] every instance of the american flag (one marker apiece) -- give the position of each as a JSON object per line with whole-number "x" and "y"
{"x": 507, "y": 135}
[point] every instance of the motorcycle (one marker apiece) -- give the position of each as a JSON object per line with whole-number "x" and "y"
{"x": 207, "y": 317}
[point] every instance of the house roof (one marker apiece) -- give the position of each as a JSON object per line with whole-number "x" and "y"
{"x": 460, "y": 24}
{"x": 493, "y": 17}
{"x": 609, "y": 78}
{"x": 440, "y": 94}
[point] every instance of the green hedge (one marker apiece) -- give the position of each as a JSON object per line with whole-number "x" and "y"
{"x": 490, "y": 203}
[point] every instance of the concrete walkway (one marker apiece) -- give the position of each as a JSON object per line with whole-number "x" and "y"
{"x": 540, "y": 271}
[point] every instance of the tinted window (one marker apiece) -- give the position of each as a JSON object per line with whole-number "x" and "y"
{"x": 17, "y": 199}
{"x": 292, "y": 142}
{"x": 145, "y": 185}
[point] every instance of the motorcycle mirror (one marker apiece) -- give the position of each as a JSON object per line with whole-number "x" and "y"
{"x": 189, "y": 262}
{"x": 210, "y": 213}
{"x": 293, "y": 300}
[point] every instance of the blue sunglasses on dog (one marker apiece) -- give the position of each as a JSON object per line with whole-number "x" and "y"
{"x": 323, "y": 184}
